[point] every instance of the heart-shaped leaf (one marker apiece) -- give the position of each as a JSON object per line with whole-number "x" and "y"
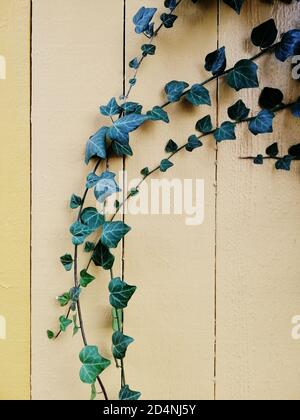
{"x": 120, "y": 344}
{"x": 113, "y": 232}
{"x": 93, "y": 364}
{"x": 126, "y": 394}
{"x": 120, "y": 293}
{"x": 243, "y": 75}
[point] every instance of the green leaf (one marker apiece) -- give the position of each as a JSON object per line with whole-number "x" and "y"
{"x": 259, "y": 160}
{"x": 171, "y": 147}
{"x": 243, "y": 75}
{"x": 148, "y": 49}
{"x": 64, "y": 323}
{"x": 96, "y": 146}
{"x": 262, "y": 123}
{"x": 168, "y": 20}
{"x": 236, "y": 5}
{"x": 120, "y": 344}
{"x": 204, "y": 125}
{"x": 120, "y": 293}
{"x": 133, "y": 192}
{"x": 50, "y": 335}
{"x": 238, "y": 111}
{"x": 270, "y": 98}
{"x": 75, "y": 294}
{"x": 198, "y": 95}
{"x": 125, "y": 125}
{"x": 64, "y": 299}
{"x": 67, "y": 262}
{"x": 225, "y": 132}
{"x": 264, "y": 35}
{"x": 75, "y": 201}
{"x": 117, "y": 319}
{"x": 158, "y": 114}
{"x": 79, "y": 232}
{"x": 89, "y": 247}
{"x": 175, "y": 89}
{"x": 86, "y": 278}
{"x": 113, "y": 232}
{"x": 193, "y": 143}
{"x": 284, "y": 163}
{"x": 122, "y": 149}
{"x": 91, "y": 218}
{"x": 102, "y": 257}
{"x": 145, "y": 171}
{"x": 112, "y": 108}
{"x": 132, "y": 108}
{"x": 165, "y": 164}
{"x": 272, "y": 150}
{"x": 127, "y": 394}
{"x": 93, "y": 364}
{"x": 93, "y": 392}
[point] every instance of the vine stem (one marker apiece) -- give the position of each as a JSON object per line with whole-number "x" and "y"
{"x": 225, "y": 72}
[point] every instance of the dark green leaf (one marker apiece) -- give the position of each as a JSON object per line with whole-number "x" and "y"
{"x": 216, "y": 62}
{"x": 67, "y": 262}
{"x": 198, "y": 95}
{"x": 165, "y": 164}
{"x": 168, "y": 20}
{"x": 64, "y": 299}
{"x": 64, "y": 323}
{"x": 125, "y": 125}
{"x": 262, "y": 123}
{"x": 113, "y": 232}
{"x": 239, "y": 111}
{"x": 193, "y": 143}
{"x": 120, "y": 293}
{"x": 243, "y": 75}
{"x": 86, "y": 278}
{"x": 79, "y": 232}
{"x": 148, "y": 49}
{"x": 89, "y": 247}
{"x": 158, "y": 114}
{"x": 264, "y": 35}
{"x": 272, "y": 150}
{"x": 132, "y": 108}
{"x": 120, "y": 344}
{"x": 112, "y": 108}
{"x": 126, "y": 394}
{"x": 204, "y": 125}
{"x": 91, "y": 218}
{"x": 50, "y": 335}
{"x": 236, "y": 5}
{"x": 96, "y": 146}
{"x": 171, "y": 147}
{"x": 122, "y": 149}
{"x": 102, "y": 257}
{"x": 259, "y": 160}
{"x": 93, "y": 364}
{"x": 145, "y": 171}
{"x": 75, "y": 201}
{"x": 284, "y": 164}
{"x": 270, "y": 98}
{"x": 175, "y": 89}
{"x": 225, "y": 132}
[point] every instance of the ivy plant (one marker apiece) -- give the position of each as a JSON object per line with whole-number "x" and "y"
{"x": 113, "y": 139}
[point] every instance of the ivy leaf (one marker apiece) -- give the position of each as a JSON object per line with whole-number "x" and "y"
{"x": 120, "y": 293}
{"x": 106, "y": 186}
{"x": 238, "y": 111}
{"x": 64, "y": 323}
{"x": 113, "y": 232}
{"x": 126, "y": 394}
{"x": 243, "y": 75}
{"x": 288, "y": 46}
{"x": 235, "y": 4}
{"x": 262, "y": 123}
{"x": 125, "y": 125}
{"x": 264, "y": 35}
{"x": 193, "y": 143}
{"x": 64, "y": 299}
{"x": 143, "y": 18}
{"x": 102, "y": 257}
{"x": 170, "y": 4}
{"x": 225, "y": 132}
{"x": 89, "y": 247}
{"x": 122, "y": 149}
{"x": 294, "y": 151}
{"x": 158, "y": 114}
{"x": 93, "y": 364}
{"x": 284, "y": 164}
{"x": 50, "y": 335}
{"x": 168, "y": 20}
{"x": 270, "y": 98}
{"x": 91, "y": 218}
{"x": 132, "y": 108}
{"x": 175, "y": 89}
{"x": 296, "y": 109}
{"x": 134, "y": 64}
{"x": 75, "y": 201}
{"x": 272, "y": 150}
{"x": 79, "y": 232}
{"x": 112, "y": 108}
{"x": 204, "y": 125}
{"x": 259, "y": 160}
{"x": 148, "y": 49}
{"x": 216, "y": 61}
{"x": 96, "y": 146}
{"x": 91, "y": 180}
{"x": 120, "y": 344}
{"x": 67, "y": 262}
{"x": 145, "y": 172}
{"x": 86, "y": 278}
{"x": 165, "y": 164}
{"x": 75, "y": 294}
{"x": 171, "y": 146}
{"x": 198, "y": 95}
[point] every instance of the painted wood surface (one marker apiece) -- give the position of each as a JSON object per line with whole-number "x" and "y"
{"x": 233, "y": 278}
{"x": 15, "y": 199}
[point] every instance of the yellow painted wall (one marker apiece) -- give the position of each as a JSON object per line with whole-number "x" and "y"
{"x": 15, "y": 199}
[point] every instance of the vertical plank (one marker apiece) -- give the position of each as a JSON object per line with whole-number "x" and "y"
{"x": 258, "y": 233}
{"x": 77, "y": 65}
{"x": 15, "y": 199}
{"x": 172, "y": 314}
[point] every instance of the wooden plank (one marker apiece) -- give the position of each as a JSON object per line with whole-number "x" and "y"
{"x": 172, "y": 314}
{"x": 15, "y": 199}
{"x": 258, "y": 233}
{"x": 77, "y": 65}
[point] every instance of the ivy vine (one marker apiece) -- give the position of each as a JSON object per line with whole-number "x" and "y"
{"x": 124, "y": 117}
